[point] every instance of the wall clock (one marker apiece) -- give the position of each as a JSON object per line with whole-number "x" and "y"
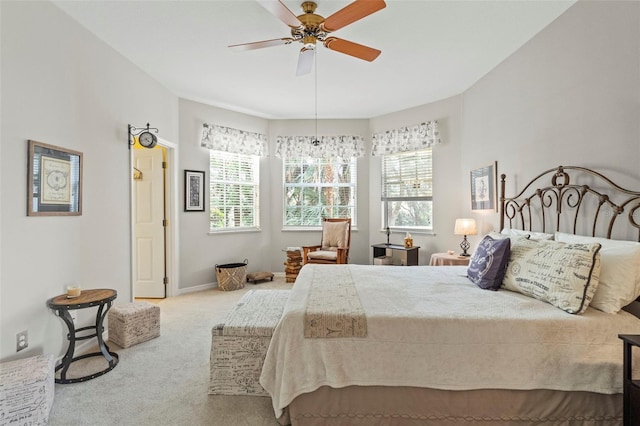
{"x": 147, "y": 139}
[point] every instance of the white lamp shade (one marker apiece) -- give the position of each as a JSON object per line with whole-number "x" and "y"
{"x": 465, "y": 227}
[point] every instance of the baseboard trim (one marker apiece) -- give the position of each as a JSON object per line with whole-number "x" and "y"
{"x": 213, "y": 285}
{"x": 196, "y": 288}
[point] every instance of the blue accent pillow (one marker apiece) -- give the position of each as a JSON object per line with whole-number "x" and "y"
{"x": 489, "y": 263}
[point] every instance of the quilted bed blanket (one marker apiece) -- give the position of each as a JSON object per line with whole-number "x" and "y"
{"x": 431, "y": 327}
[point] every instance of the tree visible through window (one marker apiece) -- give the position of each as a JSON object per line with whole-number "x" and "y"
{"x": 234, "y": 191}
{"x": 315, "y": 188}
{"x": 407, "y": 190}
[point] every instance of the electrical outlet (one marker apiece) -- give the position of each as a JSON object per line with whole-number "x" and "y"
{"x": 22, "y": 340}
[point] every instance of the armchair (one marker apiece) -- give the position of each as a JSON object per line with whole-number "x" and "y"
{"x": 334, "y": 248}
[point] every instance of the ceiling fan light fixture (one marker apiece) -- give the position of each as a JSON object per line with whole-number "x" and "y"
{"x": 309, "y": 42}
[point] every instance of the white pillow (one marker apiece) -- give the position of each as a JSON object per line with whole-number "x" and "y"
{"x": 564, "y": 275}
{"x": 619, "y": 274}
{"x": 497, "y": 235}
{"x": 528, "y": 234}
{"x": 500, "y": 236}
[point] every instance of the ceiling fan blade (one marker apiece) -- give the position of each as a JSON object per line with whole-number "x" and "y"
{"x": 282, "y": 12}
{"x": 351, "y": 13}
{"x": 305, "y": 61}
{"x": 261, "y": 44}
{"x": 351, "y": 48}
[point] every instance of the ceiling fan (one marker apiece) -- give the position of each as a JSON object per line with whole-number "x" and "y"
{"x": 310, "y": 28}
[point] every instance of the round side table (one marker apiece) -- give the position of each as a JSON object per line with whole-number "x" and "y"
{"x": 446, "y": 259}
{"x": 102, "y": 298}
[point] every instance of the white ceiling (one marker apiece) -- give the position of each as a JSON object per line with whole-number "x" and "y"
{"x": 431, "y": 50}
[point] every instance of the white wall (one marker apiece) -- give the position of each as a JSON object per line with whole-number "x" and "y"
{"x": 570, "y": 96}
{"x": 62, "y": 86}
{"x": 199, "y": 251}
{"x": 448, "y": 177}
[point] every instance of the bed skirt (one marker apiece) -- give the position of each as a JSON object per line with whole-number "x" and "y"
{"x": 404, "y": 406}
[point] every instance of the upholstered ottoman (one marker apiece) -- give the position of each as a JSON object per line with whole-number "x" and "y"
{"x": 239, "y": 345}
{"x": 26, "y": 390}
{"x": 259, "y": 276}
{"x": 133, "y": 323}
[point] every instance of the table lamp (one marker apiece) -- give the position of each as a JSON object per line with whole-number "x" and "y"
{"x": 465, "y": 227}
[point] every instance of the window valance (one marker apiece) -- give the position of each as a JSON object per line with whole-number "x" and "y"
{"x": 414, "y": 138}
{"x": 327, "y": 147}
{"x": 221, "y": 138}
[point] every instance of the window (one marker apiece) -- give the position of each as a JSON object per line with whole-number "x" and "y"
{"x": 234, "y": 191}
{"x": 407, "y": 190}
{"x": 318, "y": 187}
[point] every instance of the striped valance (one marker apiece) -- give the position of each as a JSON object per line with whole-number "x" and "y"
{"x": 414, "y": 138}
{"x": 325, "y": 147}
{"x": 221, "y": 138}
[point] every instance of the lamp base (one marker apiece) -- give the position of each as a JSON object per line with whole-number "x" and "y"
{"x": 464, "y": 245}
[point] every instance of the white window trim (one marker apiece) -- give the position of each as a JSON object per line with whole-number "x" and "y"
{"x": 385, "y": 200}
{"x": 239, "y": 229}
{"x": 354, "y": 165}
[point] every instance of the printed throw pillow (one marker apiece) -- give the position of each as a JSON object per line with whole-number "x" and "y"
{"x": 564, "y": 275}
{"x": 488, "y": 263}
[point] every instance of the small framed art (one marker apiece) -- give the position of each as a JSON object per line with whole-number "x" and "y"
{"x": 483, "y": 188}
{"x": 193, "y": 191}
{"x": 54, "y": 181}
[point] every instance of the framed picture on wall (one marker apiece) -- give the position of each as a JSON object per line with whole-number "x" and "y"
{"x": 483, "y": 188}
{"x": 54, "y": 181}
{"x": 193, "y": 191}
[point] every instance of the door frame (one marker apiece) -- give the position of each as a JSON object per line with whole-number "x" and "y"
{"x": 171, "y": 198}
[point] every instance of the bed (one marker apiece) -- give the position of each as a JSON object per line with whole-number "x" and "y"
{"x": 361, "y": 344}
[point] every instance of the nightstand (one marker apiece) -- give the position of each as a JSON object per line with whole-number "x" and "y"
{"x": 446, "y": 259}
{"x": 408, "y": 255}
{"x": 631, "y": 386}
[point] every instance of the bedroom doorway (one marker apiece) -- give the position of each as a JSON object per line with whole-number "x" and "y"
{"x": 153, "y": 189}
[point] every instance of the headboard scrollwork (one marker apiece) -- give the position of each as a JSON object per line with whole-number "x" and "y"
{"x": 591, "y": 207}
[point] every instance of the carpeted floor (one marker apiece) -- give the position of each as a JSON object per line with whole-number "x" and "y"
{"x": 164, "y": 381}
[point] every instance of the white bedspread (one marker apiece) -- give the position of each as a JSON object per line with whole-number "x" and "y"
{"x": 431, "y": 327}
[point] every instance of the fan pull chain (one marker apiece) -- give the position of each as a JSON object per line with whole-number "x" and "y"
{"x": 316, "y": 142}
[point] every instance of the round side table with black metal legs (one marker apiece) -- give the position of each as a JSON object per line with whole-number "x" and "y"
{"x": 101, "y": 298}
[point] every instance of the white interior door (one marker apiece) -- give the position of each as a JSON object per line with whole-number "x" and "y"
{"x": 149, "y": 239}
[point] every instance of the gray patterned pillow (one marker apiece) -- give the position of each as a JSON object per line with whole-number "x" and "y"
{"x": 564, "y": 275}
{"x": 487, "y": 265}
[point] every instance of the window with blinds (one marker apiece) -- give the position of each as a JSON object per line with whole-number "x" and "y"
{"x": 319, "y": 187}
{"x": 407, "y": 190}
{"x": 234, "y": 191}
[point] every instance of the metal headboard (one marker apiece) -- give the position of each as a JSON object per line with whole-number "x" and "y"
{"x": 588, "y": 208}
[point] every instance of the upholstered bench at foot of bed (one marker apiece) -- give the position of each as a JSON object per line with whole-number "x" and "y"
{"x": 133, "y": 323}
{"x": 27, "y": 390}
{"x": 239, "y": 345}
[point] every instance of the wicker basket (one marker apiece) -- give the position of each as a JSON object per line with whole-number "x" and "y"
{"x": 231, "y": 276}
